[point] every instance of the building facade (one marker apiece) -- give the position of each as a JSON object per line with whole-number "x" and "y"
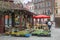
{"x": 57, "y": 7}
{"x": 57, "y": 13}
{"x": 43, "y": 6}
{"x": 29, "y": 6}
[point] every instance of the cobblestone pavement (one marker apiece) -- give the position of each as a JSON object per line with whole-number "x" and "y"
{"x": 54, "y": 31}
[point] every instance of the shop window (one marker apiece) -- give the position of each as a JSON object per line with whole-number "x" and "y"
{"x": 17, "y": 21}
{"x": 8, "y": 21}
{"x": 23, "y": 21}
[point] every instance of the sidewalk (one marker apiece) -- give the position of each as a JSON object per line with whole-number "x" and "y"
{"x": 55, "y": 35}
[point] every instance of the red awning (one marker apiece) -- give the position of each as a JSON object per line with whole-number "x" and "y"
{"x": 41, "y": 16}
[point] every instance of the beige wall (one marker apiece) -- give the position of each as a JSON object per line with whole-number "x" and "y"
{"x": 57, "y": 15}
{"x": 57, "y": 7}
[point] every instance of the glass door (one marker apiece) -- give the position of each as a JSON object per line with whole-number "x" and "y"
{"x": 8, "y": 22}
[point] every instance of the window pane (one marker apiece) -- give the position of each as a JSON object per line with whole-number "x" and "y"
{"x": 6, "y": 21}
{"x": 17, "y": 22}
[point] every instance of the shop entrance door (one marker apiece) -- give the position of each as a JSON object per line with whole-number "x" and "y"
{"x": 8, "y": 22}
{"x": 2, "y": 23}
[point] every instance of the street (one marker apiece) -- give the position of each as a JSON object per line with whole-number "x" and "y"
{"x": 18, "y": 15}
{"x": 54, "y": 31}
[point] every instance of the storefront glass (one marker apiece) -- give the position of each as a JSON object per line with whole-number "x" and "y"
{"x": 17, "y": 19}
{"x": 8, "y": 21}
{"x": 23, "y": 21}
